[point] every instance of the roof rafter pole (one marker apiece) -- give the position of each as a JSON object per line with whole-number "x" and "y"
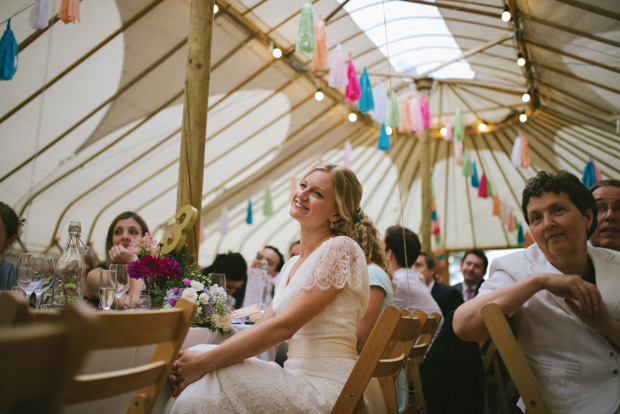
{"x": 424, "y": 85}
{"x": 195, "y": 105}
{"x": 588, "y": 7}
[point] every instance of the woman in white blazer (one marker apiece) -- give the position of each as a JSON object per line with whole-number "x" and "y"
{"x": 563, "y": 298}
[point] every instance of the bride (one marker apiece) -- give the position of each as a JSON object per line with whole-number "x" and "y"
{"x": 320, "y": 296}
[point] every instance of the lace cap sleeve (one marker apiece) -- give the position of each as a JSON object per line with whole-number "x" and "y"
{"x": 340, "y": 262}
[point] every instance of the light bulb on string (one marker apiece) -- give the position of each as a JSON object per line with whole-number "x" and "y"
{"x": 523, "y": 117}
{"x": 319, "y": 95}
{"x": 506, "y": 14}
{"x": 526, "y": 96}
{"x": 215, "y": 8}
{"x": 482, "y": 127}
{"x": 520, "y": 60}
{"x": 276, "y": 52}
{"x": 352, "y": 117}
{"x": 388, "y": 130}
{"x": 443, "y": 131}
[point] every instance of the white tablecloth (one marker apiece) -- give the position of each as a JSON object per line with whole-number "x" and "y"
{"x": 98, "y": 361}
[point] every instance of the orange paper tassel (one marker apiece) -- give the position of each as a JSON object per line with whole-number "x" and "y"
{"x": 511, "y": 221}
{"x": 525, "y": 152}
{"x": 319, "y": 56}
{"x": 69, "y": 11}
{"x": 497, "y": 211}
{"x": 528, "y": 239}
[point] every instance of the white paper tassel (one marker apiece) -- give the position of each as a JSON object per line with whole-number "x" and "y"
{"x": 224, "y": 221}
{"x": 379, "y": 96}
{"x": 38, "y": 15}
{"x": 516, "y": 152}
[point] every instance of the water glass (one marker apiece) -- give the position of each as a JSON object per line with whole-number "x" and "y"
{"x": 123, "y": 281}
{"x": 43, "y": 267}
{"x": 26, "y": 281}
{"x": 107, "y": 288}
{"x": 137, "y": 302}
{"x": 217, "y": 279}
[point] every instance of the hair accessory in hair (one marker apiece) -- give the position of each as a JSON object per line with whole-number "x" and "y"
{"x": 20, "y": 226}
{"x": 358, "y": 215}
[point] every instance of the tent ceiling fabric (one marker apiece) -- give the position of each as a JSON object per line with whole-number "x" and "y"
{"x": 90, "y": 124}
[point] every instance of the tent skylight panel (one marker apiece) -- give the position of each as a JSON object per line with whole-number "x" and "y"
{"x": 418, "y": 37}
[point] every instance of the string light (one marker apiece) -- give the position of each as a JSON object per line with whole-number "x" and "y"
{"x": 526, "y": 96}
{"x": 520, "y": 60}
{"x": 506, "y": 14}
{"x": 482, "y": 127}
{"x": 443, "y": 131}
{"x": 319, "y": 95}
{"x": 388, "y": 130}
{"x": 276, "y": 52}
{"x": 352, "y": 117}
{"x": 523, "y": 117}
{"x": 215, "y": 8}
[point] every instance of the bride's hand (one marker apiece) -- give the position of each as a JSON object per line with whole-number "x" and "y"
{"x": 185, "y": 370}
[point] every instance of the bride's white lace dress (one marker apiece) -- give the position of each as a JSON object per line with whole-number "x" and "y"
{"x": 321, "y": 354}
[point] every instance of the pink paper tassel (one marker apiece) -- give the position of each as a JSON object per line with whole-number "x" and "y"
{"x": 525, "y": 152}
{"x": 426, "y": 112}
{"x": 448, "y": 136}
{"x": 69, "y": 11}
{"x": 319, "y": 56}
{"x": 482, "y": 190}
{"x": 597, "y": 173}
{"x": 511, "y": 221}
{"x": 354, "y": 89}
{"x": 417, "y": 122}
{"x": 337, "y": 74}
{"x": 458, "y": 152}
{"x": 405, "y": 120}
{"x": 347, "y": 154}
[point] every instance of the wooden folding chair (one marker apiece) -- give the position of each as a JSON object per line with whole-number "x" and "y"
{"x": 39, "y": 360}
{"x": 494, "y": 379}
{"x": 416, "y": 403}
{"x": 377, "y": 359}
{"x": 515, "y": 362}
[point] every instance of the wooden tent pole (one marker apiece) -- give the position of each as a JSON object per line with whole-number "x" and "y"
{"x": 195, "y": 105}
{"x": 424, "y": 85}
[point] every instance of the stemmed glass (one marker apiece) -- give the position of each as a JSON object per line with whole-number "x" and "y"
{"x": 26, "y": 280}
{"x": 122, "y": 280}
{"x": 107, "y": 288}
{"x": 43, "y": 268}
{"x": 218, "y": 279}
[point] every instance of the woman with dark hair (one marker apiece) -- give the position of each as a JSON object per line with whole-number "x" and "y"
{"x": 122, "y": 230}
{"x": 562, "y": 296}
{"x": 9, "y": 227}
{"x": 234, "y": 266}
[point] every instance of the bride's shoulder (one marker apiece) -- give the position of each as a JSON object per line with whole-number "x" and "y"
{"x": 344, "y": 242}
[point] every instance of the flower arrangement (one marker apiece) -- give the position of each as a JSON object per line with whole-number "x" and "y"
{"x": 168, "y": 278}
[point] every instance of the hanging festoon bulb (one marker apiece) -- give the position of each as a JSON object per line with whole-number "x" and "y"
{"x": 405, "y": 115}
{"x": 8, "y": 53}
{"x": 38, "y": 15}
{"x": 319, "y": 57}
{"x": 467, "y": 169}
{"x": 394, "y": 117}
{"x": 525, "y": 152}
{"x": 459, "y": 126}
{"x": 382, "y": 104}
{"x": 515, "y": 156}
{"x": 482, "y": 126}
{"x": 474, "y": 176}
{"x": 267, "y": 205}
{"x": 366, "y": 102}
{"x": 69, "y": 11}
{"x": 354, "y": 90}
{"x": 417, "y": 121}
{"x": 388, "y": 130}
{"x": 384, "y": 140}
{"x": 319, "y": 95}
{"x": 520, "y": 60}
{"x": 526, "y": 96}
{"x": 506, "y": 16}
{"x": 482, "y": 188}
{"x": 447, "y": 134}
{"x": 224, "y": 221}
{"x": 276, "y": 52}
{"x": 305, "y": 34}
{"x": 352, "y": 116}
{"x": 337, "y": 73}
{"x": 248, "y": 216}
{"x": 523, "y": 117}
{"x": 426, "y": 112}
{"x": 347, "y": 154}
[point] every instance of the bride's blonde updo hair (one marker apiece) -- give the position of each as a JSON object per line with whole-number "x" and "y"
{"x": 367, "y": 236}
{"x": 347, "y": 193}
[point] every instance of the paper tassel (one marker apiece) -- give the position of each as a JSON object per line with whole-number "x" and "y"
{"x": 588, "y": 174}
{"x": 354, "y": 89}
{"x": 520, "y": 235}
{"x": 405, "y": 116}
{"x": 434, "y": 215}
{"x": 525, "y": 152}
{"x": 458, "y": 152}
{"x": 366, "y": 102}
{"x": 474, "y": 177}
{"x": 511, "y": 221}
{"x": 468, "y": 171}
{"x": 496, "y": 206}
{"x": 426, "y": 112}
{"x": 305, "y": 35}
{"x": 437, "y": 239}
{"x": 38, "y": 15}
{"x": 248, "y": 217}
{"x": 489, "y": 189}
{"x": 267, "y": 208}
{"x": 347, "y": 154}
{"x": 435, "y": 229}
{"x": 69, "y": 11}
{"x": 384, "y": 139}
{"x": 516, "y": 221}
{"x": 528, "y": 239}
{"x": 319, "y": 57}
{"x": 417, "y": 121}
{"x": 293, "y": 187}
{"x": 224, "y": 221}
{"x": 482, "y": 190}
{"x": 515, "y": 157}
{"x": 459, "y": 126}
{"x": 8, "y": 53}
{"x": 337, "y": 74}
{"x": 503, "y": 214}
{"x": 597, "y": 174}
{"x": 382, "y": 105}
{"x": 448, "y": 126}
{"x": 394, "y": 118}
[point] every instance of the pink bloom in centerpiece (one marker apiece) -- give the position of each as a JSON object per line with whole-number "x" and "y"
{"x": 187, "y": 282}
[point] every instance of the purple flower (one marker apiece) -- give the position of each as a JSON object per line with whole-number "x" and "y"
{"x": 175, "y": 291}
{"x": 172, "y": 302}
{"x": 187, "y": 282}
{"x": 170, "y": 268}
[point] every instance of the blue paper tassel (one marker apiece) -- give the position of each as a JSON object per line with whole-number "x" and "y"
{"x": 384, "y": 139}
{"x": 8, "y": 54}
{"x": 366, "y": 102}
{"x": 434, "y": 215}
{"x": 588, "y": 178}
{"x": 520, "y": 235}
{"x": 474, "y": 178}
{"x": 248, "y": 218}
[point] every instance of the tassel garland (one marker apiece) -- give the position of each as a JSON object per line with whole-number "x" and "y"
{"x": 394, "y": 118}
{"x": 248, "y": 217}
{"x": 267, "y": 207}
{"x": 474, "y": 177}
{"x": 382, "y": 105}
{"x": 319, "y": 57}
{"x": 8, "y": 53}
{"x": 384, "y": 139}
{"x": 38, "y": 15}
{"x": 69, "y": 11}
{"x": 354, "y": 89}
{"x": 405, "y": 115}
{"x": 448, "y": 136}
{"x": 459, "y": 126}
{"x": 426, "y": 112}
{"x": 366, "y": 102}
{"x": 305, "y": 35}
{"x": 337, "y": 74}
{"x": 482, "y": 189}
{"x": 417, "y": 121}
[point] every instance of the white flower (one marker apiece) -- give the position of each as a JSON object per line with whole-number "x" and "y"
{"x": 196, "y": 285}
{"x": 190, "y": 294}
{"x": 216, "y": 320}
{"x": 216, "y": 290}
{"x": 226, "y": 323}
{"x": 167, "y": 306}
{"x": 203, "y": 298}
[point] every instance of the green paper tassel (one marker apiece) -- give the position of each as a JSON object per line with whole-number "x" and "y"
{"x": 394, "y": 118}
{"x": 490, "y": 190}
{"x": 267, "y": 209}
{"x": 459, "y": 127}
{"x": 468, "y": 171}
{"x": 305, "y": 35}
{"x": 438, "y": 239}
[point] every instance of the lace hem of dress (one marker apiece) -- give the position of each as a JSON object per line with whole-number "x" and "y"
{"x": 338, "y": 264}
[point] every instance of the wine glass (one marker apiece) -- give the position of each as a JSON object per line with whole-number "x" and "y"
{"x": 26, "y": 280}
{"x": 217, "y": 279}
{"x": 137, "y": 302}
{"x": 107, "y": 288}
{"x": 122, "y": 281}
{"x": 43, "y": 267}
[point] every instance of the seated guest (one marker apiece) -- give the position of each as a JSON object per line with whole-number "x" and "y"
{"x": 446, "y": 297}
{"x": 122, "y": 230}
{"x": 9, "y": 227}
{"x": 563, "y": 299}
{"x": 235, "y": 268}
{"x": 607, "y": 196}
{"x": 294, "y": 249}
{"x": 274, "y": 260}
{"x": 474, "y": 267}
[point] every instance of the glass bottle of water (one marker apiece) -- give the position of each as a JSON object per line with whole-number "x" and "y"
{"x": 70, "y": 279}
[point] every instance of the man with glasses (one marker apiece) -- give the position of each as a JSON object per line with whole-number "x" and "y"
{"x": 607, "y": 196}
